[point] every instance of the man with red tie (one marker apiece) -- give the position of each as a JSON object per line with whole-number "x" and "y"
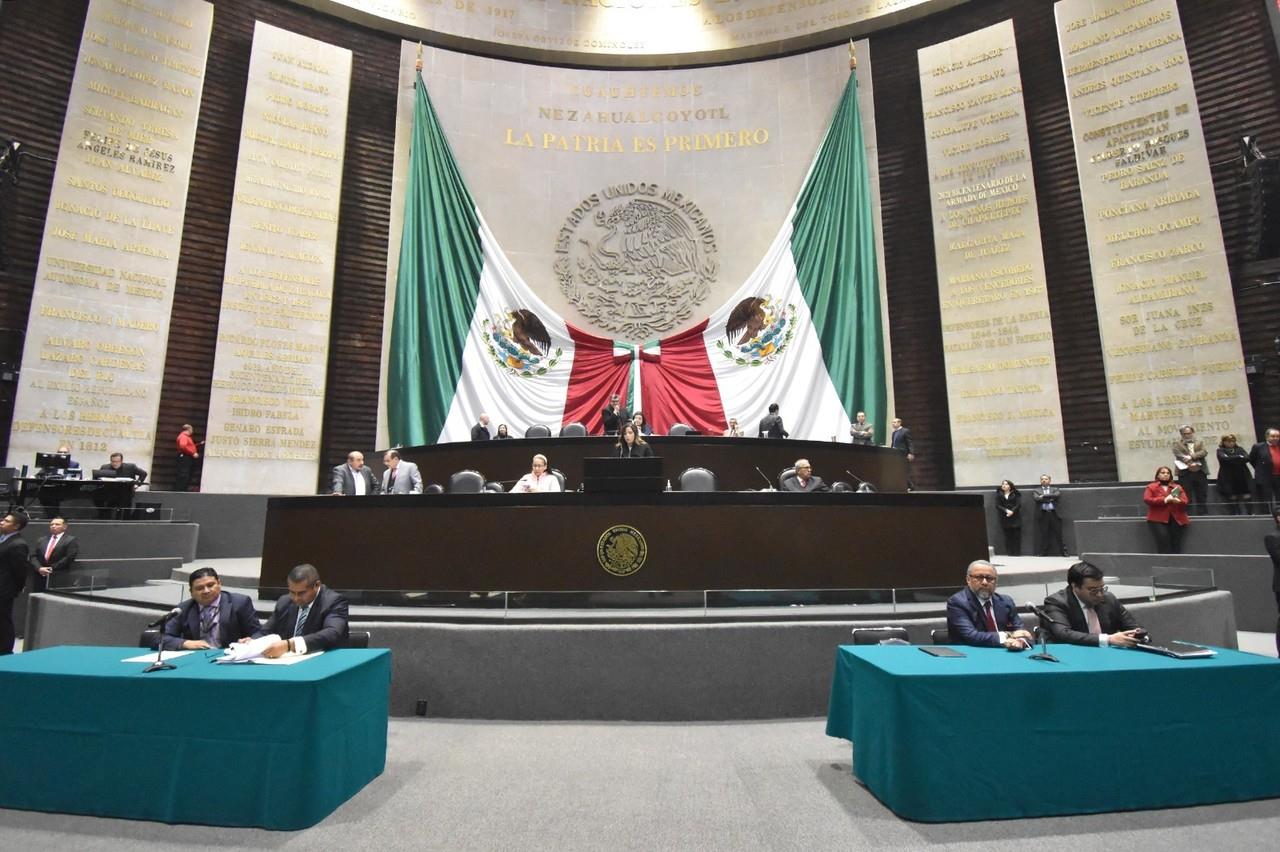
{"x": 978, "y": 615}
{"x": 1085, "y": 613}
{"x": 56, "y": 551}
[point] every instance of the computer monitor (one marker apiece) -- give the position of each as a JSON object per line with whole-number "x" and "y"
{"x": 53, "y": 461}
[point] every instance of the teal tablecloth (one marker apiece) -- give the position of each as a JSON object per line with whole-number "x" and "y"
{"x": 246, "y": 745}
{"x": 999, "y": 735}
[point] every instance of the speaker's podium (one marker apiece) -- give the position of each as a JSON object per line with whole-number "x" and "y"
{"x": 612, "y": 475}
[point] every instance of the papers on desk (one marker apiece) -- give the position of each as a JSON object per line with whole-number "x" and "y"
{"x": 151, "y": 658}
{"x": 252, "y": 651}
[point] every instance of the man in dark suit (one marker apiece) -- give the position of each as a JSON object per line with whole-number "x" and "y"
{"x": 1265, "y": 458}
{"x": 109, "y": 503}
{"x": 900, "y": 439}
{"x": 804, "y": 480}
{"x": 1048, "y": 521}
{"x": 310, "y": 617}
{"x": 56, "y": 551}
{"x": 771, "y": 424}
{"x": 118, "y": 467}
{"x": 353, "y": 478}
{"x": 614, "y": 415}
{"x": 979, "y": 616}
{"x": 1272, "y": 542}
{"x": 480, "y": 431}
{"x": 211, "y": 618}
{"x": 1085, "y": 613}
{"x": 14, "y": 553}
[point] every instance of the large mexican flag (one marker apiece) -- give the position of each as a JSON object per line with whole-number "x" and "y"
{"x": 804, "y": 330}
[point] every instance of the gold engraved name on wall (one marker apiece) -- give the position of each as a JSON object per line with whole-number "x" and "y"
{"x": 636, "y": 259}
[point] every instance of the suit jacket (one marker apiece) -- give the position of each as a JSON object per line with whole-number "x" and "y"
{"x": 13, "y": 566}
{"x": 63, "y": 557}
{"x": 1067, "y": 622}
{"x": 901, "y": 440}
{"x": 968, "y": 626}
{"x": 408, "y": 479}
{"x": 1006, "y": 502}
{"x": 126, "y": 469}
{"x": 771, "y": 427}
{"x": 1053, "y": 496}
{"x": 636, "y": 451}
{"x": 325, "y": 627}
{"x": 236, "y": 620}
{"x": 1160, "y": 511}
{"x": 1272, "y": 542}
{"x": 815, "y": 483}
{"x": 1197, "y": 455}
{"x": 480, "y": 433}
{"x": 862, "y": 432}
{"x": 1260, "y": 458}
{"x": 613, "y": 422}
{"x": 344, "y": 481}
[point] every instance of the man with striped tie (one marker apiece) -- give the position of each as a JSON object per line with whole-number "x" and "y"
{"x": 312, "y": 617}
{"x": 210, "y": 618}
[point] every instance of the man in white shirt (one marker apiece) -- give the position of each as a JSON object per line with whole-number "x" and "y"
{"x": 1085, "y": 613}
{"x": 353, "y": 479}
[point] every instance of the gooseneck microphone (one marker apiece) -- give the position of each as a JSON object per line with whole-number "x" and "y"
{"x": 1043, "y": 632}
{"x": 162, "y": 619}
{"x": 768, "y": 483}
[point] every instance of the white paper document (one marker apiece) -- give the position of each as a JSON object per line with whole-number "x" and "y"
{"x": 252, "y": 651}
{"x": 151, "y": 658}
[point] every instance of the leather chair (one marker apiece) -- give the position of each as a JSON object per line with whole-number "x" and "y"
{"x": 573, "y": 430}
{"x": 538, "y": 431}
{"x": 789, "y": 473}
{"x": 940, "y": 636}
{"x": 697, "y": 479}
{"x": 358, "y": 639}
{"x": 560, "y": 476}
{"x": 149, "y": 638}
{"x": 880, "y": 635}
{"x": 495, "y": 487}
{"x": 433, "y": 488}
{"x": 841, "y": 486}
{"x": 466, "y": 482}
{"x": 679, "y": 429}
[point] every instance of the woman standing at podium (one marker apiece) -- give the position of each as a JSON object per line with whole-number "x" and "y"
{"x": 630, "y": 445}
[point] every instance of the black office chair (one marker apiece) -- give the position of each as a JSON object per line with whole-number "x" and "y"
{"x": 358, "y": 639}
{"x": 789, "y": 473}
{"x": 560, "y": 476}
{"x": 573, "y": 430}
{"x": 466, "y": 482}
{"x": 697, "y": 479}
{"x": 495, "y": 487}
{"x": 841, "y": 486}
{"x": 880, "y": 635}
{"x": 433, "y": 488}
{"x": 149, "y": 638}
{"x": 940, "y": 636}
{"x": 679, "y": 429}
{"x": 538, "y": 431}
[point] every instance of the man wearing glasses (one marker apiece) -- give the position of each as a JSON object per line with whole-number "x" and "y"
{"x": 1085, "y": 613}
{"x": 978, "y": 615}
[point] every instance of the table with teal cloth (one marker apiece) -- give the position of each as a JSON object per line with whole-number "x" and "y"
{"x": 997, "y": 735}
{"x": 276, "y": 747}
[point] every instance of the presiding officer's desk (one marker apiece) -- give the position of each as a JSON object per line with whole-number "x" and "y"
{"x": 733, "y": 460}
{"x": 239, "y": 745}
{"x": 626, "y": 542}
{"x": 997, "y": 734}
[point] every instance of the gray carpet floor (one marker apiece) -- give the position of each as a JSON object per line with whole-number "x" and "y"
{"x": 527, "y": 786}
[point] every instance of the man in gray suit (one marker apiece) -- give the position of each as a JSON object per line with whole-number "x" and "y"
{"x": 353, "y": 479}
{"x": 400, "y": 477}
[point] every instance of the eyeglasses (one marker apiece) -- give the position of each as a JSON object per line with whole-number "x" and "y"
{"x": 983, "y": 578}
{"x": 1096, "y": 590}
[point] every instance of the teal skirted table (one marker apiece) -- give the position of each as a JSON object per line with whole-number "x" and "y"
{"x": 997, "y": 735}
{"x": 243, "y": 745}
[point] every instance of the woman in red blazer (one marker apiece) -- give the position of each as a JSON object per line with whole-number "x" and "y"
{"x": 1166, "y": 511}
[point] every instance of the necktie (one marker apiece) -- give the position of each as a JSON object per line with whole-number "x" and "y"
{"x": 53, "y": 542}
{"x": 207, "y": 616}
{"x": 302, "y": 619}
{"x": 1091, "y": 618}
{"x": 391, "y": 481}
{"x": 991, "y": 619}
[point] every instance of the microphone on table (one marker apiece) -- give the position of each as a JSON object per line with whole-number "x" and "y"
{"x": 162, "y": 619}
{"x": 1043, "y": 632}
{"x": 863, "y": 486}
{"x": 768, "y": 483}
